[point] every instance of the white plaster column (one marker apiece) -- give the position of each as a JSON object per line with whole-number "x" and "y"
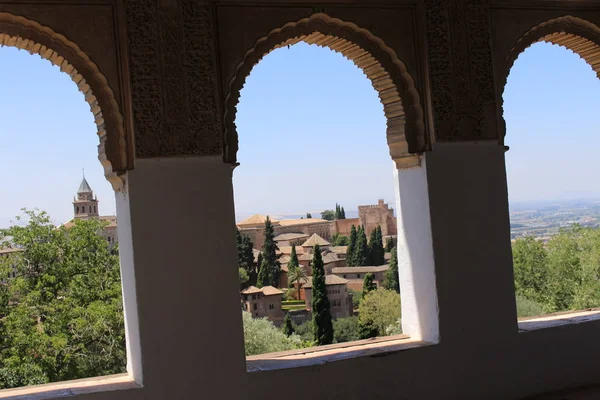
{"x": 415, "y": 254}
{"x": 186, "y": 276}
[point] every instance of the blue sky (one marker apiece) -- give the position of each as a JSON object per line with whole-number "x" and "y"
{"x": 312, "y": 133}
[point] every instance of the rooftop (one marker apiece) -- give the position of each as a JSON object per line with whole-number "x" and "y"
{"x": 256, "y": 219}
{"x": 266, "y": 290}
{"x": 357, "y": 270}
{"x": 315, "y": 239}
{"x": 290, "y": 236}
{"x": 302, "y": 221}
{"x": 329, "y": 280}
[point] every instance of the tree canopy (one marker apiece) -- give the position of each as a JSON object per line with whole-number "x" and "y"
{"x": 391, "y": 280}
{"x": 378, "y": 311}
{"x": 328, "y": 215}
{"x": 269, "y": 269}
{"x": 61, "y": 317}
{"x": 320, "y": 305}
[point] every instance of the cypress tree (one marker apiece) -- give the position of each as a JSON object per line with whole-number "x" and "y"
{"x": 351, "y": 248}
{"x": 268, "y": 273}
{"x": 308, "y": 215}
{"x": 389, "y": 244}
{"x": 343, "y": 213}
{"x": 368, "y": 284}
{"x": 321, "y": 313}
{"x": 361, "y": 253}
{"x": 288, "y": 328}
{"x": 246, "y": 256}
{"x": 391, "y": 280}
{"x": 376, "y": 247}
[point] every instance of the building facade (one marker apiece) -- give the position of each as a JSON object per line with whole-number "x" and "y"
{"x": 263, "y": 303}
{"x": 340, "y": 299}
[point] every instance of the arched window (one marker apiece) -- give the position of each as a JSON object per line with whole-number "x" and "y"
{"x": 321, "y": 129}
{"x": 550, "y": 104}
{"x": 64, "y": 99}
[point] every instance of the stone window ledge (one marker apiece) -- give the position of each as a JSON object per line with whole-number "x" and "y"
{"x": 376, "y": 347}
{"x": 558, "y": 319}
{"x": 70, "y": 388}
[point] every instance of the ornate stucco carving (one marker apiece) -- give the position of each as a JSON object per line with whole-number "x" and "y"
{"x": 30, "y": 36}
{"x": 173, "y": 78}
{"x": 388, "y": 74}
{"x": 461, "y": 71}
{"x": 576, "y": 34}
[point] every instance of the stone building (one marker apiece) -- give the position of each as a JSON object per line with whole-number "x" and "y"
{"x": 297, "y": 228}
{"x": 263, "y": 303}
{"x": 339, "y": 297}
{"x": 356, "y": 275}
{"x": 163, "y": 80}
{"x": 378, "y": 215}
{"x": 85, "y": 206}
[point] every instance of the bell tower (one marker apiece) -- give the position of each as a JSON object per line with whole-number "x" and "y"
{"x": 85, "y": 205}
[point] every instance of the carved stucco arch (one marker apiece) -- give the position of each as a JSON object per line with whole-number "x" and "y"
{"x": 578, "y": 35}
{"x": 395, "y": 86}
{"x": 28, "y": 35}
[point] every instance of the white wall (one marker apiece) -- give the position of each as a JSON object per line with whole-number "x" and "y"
{"x": 182, "y": 220}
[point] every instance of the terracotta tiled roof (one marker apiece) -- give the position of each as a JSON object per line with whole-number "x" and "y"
{"x": 305, "y": 257}
{"x": 329, "y": 280}
{"x": 290, "y": 236}
{"x": 339, "y": 249}
{"x": 329, "y": 258}
{"x": 315, "y": 239}
{"x": 306, "y": 221}
{"x": 359, "y": 270}
{"x": 266, "y": 290}
{"x": 256, "y": 219}
{"x": 288, "y": 250}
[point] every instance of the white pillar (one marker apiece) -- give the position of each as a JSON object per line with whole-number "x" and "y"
{"x": 415, "y": 255}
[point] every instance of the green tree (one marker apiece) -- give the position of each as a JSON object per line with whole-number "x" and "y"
{"x": 378, "y": 311}
{"x": 328, "y": 215}
{"x": 361, "y": 256}
{"x": 338, "y": 211}
{"x": 350, "y": 252}
{"x": 391, "y": 280}
{"x": 343, "y": 213}
{"x": 340, "y": 240}
{"x": 376, "y": 252}
{"x": 268, "y": 273}
{"x": 296, "y": 273}
{"x": 530, "y": 269}
{"x": 243, "y": 277}
{"x": 288, "y": 327}
{"x": 321, "y": 308}
{"x": 308, "y": 215}
{"x": 389, "y": 244}
{"x": 261, "y": 336}
{"x": 368, "y": 284}
{"x": 64, "y": 315}
{"x": 345, "y": 329}
{"x": 246, "y": 257}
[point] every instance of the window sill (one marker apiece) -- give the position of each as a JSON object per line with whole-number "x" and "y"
{"x": 71, "y": 388}
{"x": 558, "y": 319}
{"x": 376, "y": 347}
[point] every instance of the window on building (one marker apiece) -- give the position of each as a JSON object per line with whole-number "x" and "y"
{"x": 254, "y": 306}
{"x": 554, "y": 217}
